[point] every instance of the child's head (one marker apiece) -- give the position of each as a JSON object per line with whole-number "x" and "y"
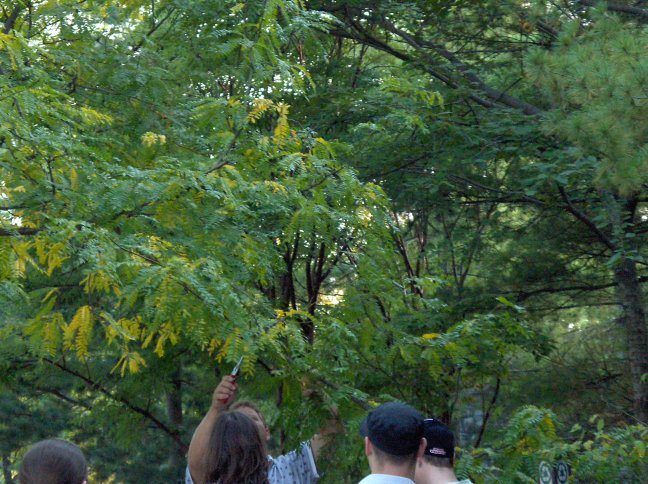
{"x": 53, "y": 461}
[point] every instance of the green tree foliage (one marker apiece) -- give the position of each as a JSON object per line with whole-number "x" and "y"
{"x": 588, "y": 92}
{"x": 497, "y": 158}
{"x": 153, "y": 214}
{"x": 531, "y": 437}
{"x": 358, "y": 197}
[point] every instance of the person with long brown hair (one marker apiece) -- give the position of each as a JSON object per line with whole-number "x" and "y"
{"x": 237, "y": 451}
{"x": 297, "y": 466}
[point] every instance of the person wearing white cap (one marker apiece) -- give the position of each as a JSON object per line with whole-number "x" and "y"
{"x": 393, "y": 435}
{"x": 436, "y": 466}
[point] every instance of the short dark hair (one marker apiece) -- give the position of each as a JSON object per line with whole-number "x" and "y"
{"x": 53, "y": 461}
{"x": 394, "y": 428}
{"x": 443, "y": 462}
{"x": 237, "y": 453}
{"x": 440, "y": 439}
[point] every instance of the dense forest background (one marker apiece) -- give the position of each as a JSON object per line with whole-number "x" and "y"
{"x": 440, "y": 202}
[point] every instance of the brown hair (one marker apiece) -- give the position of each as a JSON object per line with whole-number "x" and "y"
{"x": 237, "y": 452}
{"x": 249, "y": 404}
{"x": 53, "y": 461}
{"x": 435, "y": 461}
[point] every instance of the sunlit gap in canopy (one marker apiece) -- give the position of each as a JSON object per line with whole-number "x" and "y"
{"x": 5, "y": 211}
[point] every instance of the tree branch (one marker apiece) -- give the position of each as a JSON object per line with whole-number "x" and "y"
{"x": 614, "y": 7}
{"x": 551, "y": 309}
{"x": 14, "y": 207}
{"x": 65, "y": 398}
{"x": 488, "y": 413}
{"x": 174, "y": 434}
{"x": 495, "y": 96}
{"x": 406, "y": 164}
{"x": 357, "y": 400}
{"x": 19, "y": 231}
{"x": 569, "y": 206}
{"x": 522, "y": 295}
{"x": 155, "y": 261}
{"x": 11, "y": 20}
{"x": 229, "y": 149}
{"x": 152, "y": 31}
{"x": 492, "y": 93}
{"x": 508, "y": 194}
{"x": 585, "y": 219}
{"x": 365, "y": 38}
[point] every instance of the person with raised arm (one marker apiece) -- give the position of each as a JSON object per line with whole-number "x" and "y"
{"x": 296, "y": 467}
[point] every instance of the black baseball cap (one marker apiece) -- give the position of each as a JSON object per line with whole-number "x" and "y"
{"x": 440, "y": 439}
{"x": 394, "y": 428}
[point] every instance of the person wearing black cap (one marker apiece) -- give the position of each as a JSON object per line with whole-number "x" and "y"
{"x": 393, "y": 435}
{"x": 436, "y": 466}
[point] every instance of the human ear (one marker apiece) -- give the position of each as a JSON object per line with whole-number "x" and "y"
{"x": 421, "y": 449}
{"x": 368, "y": 446}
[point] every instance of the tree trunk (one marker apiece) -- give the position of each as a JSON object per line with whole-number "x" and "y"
{"x": 633, "y": 318}
{"x": 174, "y": 410}
{"x": 6, "y": 470}
{"x": 282, "y": 433}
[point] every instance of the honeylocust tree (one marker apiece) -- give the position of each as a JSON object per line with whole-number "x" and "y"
{"x": 159, "y": 212}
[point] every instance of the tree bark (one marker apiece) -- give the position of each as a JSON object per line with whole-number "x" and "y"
{"x": 633, "y": 318}
{"x": 6, "y": 471}
{"x": 488, "y": 413}
{"x": 174, "y": 409}
{"x": 621, "y": 214}
{"x": 10, "y": 21}
{"x": 614, "y": 7}
{"x": 282, "y": 432}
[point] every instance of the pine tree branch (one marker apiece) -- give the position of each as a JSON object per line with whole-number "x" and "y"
{"x": 569, "y": 206}
{"x": 511, "y": 196}
{"x": 523, "y": 295}
{"x": 476, "y": 81}
{"x": 551, "y": 309}
{"x": 614, "y": 7}
{"x": 365, "y": 38}
{"x": 495, "y": 96}
{"x": 580, "y": 215}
